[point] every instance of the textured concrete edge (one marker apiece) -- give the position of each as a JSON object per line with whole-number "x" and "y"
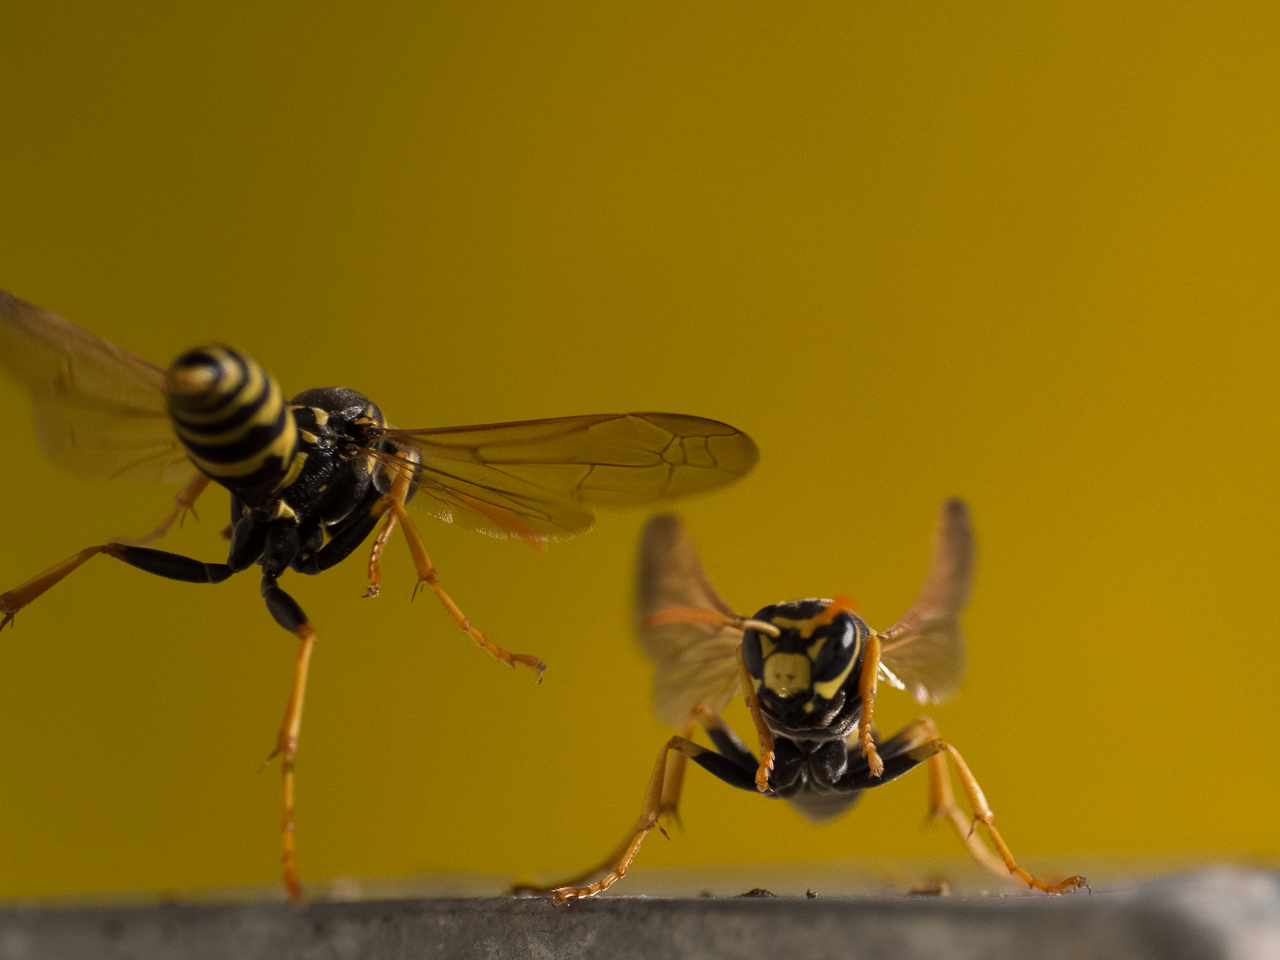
{"x": 1224, "y": 914}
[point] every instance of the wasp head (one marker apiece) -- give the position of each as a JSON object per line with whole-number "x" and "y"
{"x": 801, "y": 674}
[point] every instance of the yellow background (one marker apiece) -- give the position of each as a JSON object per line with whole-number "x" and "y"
{"x": 1022, "y": 253}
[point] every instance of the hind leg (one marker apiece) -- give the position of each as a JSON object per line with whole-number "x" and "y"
{"x": 918, "y": 742}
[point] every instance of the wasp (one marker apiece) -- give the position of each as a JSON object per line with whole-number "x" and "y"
{"x": 808, "y": 671}
{"x": 313, "y": 477}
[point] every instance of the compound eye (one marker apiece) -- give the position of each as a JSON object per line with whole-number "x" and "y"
{"x": 833, "y": 647}
{"x": 752, "y": 655}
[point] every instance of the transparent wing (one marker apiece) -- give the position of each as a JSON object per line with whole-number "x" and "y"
{"x": 696, "y": 662}
{"x": 923, "y": 653}
{"x": 99, "y": 410}
{"x": 539, "y": 479}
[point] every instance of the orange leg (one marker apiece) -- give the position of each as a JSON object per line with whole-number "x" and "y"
{"x": 184, "y": 501}
{"x": 578, "y": 879}
{"x": 762, "y": 729}
{"x": 379, "y": 544}
{"x": 942, "y": 805}
{"x": 427, "y": 574}
{"x": 867, "y": 690}
{"x": 287, "y": 750}
{"x": 392, "y": 503}
{"x": 19, "y": 597}
{"x": 620, "y": 860}
{"x": 942, "y": 802}
{"x": 669, "y": 808}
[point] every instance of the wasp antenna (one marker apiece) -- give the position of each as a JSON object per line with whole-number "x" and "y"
{"x": 761, "y": 627}
{"x": 668, "y": 615}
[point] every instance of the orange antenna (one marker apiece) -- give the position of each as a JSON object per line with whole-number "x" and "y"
{"x": 698, "y": 615}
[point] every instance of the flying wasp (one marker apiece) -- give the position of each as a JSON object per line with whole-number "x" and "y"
{"x": 311, "y": 478}
{"x": 808, "y": 671}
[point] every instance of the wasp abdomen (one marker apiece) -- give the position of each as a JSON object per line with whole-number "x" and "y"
{"x": 231, "y": 416}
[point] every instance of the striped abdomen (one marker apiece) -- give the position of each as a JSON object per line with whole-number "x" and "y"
{"x": 232, "y": 418}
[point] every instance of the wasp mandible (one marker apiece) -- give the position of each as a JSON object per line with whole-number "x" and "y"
{"x": 312, "y": 477}
{"x": 808, "y": 671}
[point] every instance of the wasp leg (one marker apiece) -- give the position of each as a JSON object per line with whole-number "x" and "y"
{"x": 171, "y": 565}
{"x": 982, "y": 814}
{"x": 725, "y": 740}
{"x": 289, "y": 615}
{"x": 579, "y": 879}
{"x": 762, "y": 729}
{"x": 427, "y": 575}
{"x": 17, "y": 598}
{"x": 392, "y": 504}
{"x": 375, "y": 555}
{"x": 341, "y": 545}
{"x": 942, "y": 802}
{"x": 736, "y": 767}
{"x": 918, "y": 742}
{"x": 184, "y": 501}
{"x": 867, "y": 690}
{"x": 620, "y": 860}
{"x": 673, "y": 784}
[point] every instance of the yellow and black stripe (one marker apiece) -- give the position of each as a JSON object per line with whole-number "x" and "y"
{"x": 232, "y": 418}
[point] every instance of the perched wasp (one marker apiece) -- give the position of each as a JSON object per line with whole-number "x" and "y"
{"x": 808, "y": 671}
{"x": 312, "y": 477}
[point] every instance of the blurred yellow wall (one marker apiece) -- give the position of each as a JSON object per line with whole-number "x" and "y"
{"x": 1022, "y": 253}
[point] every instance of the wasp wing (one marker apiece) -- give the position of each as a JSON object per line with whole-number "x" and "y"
{"x": 99, "y": 410}
{"x": 539, "y": 479}
{"x": 696, "y": 662}
{"x": 923, "y": 653}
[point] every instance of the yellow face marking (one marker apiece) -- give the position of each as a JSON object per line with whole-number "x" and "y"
{"x": 321, "y": 415}
{"x": 787, "y": 674}
{"x": 804, "y": 627}
{"x": 308, "y": 437}
{"x": 827, "y": 688}
{"x": 815, "y": 648}
{"x": 767, "y": 646}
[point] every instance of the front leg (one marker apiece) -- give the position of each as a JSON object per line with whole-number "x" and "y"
{"x": 757, "y": 718}
{"x": 867, "y": 690}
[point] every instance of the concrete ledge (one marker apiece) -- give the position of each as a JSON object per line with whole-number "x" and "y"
{"x": 1226, "y": 914}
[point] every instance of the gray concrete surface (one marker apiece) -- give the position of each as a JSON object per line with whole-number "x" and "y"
{"x": 1212, "y": 915}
